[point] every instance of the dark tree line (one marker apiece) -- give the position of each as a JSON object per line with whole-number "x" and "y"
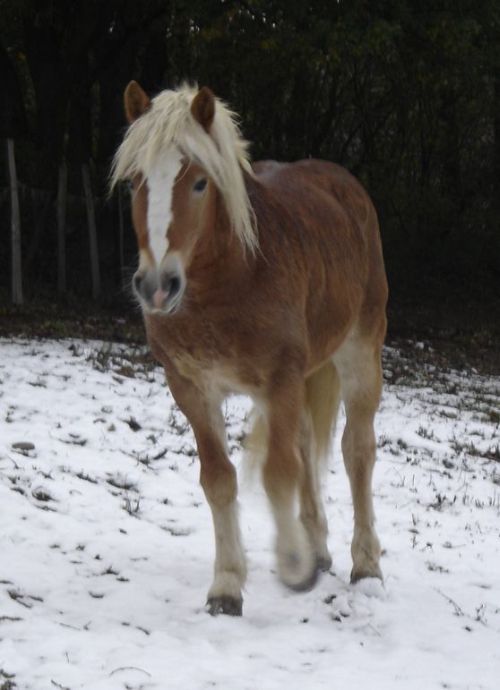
{"x": 405, "y": 93}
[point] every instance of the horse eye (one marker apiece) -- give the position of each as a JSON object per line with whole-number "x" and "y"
{"x": 200, "y": 185}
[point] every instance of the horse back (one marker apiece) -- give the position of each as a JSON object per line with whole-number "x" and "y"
{"x": 329, "y": 218}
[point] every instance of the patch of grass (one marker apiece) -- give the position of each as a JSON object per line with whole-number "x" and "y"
{"x": 119, "y": 481}
{"x": 110, "y": 571}
{"x": 86, "y": 477}
{"x": 20, "y": 598}
{"x": 72, "y": 318}
{"x": 177, "y": 422}
{"x": 124, "y": 362}
{"x": 466, "y": 447}
{"x": 435, "y": 568}
{"x": 441, "y": 501}
{"x": 426, "y": 433}
{"x": 132, "y": 508}
{"x": 493, "y": 453}
{"x": 8, "y": 684}
{"x": 493, "y": 416}
{"x": 447, "y": 414}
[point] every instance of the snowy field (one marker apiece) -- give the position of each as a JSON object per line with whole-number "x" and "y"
{"x": 106, "y": 545}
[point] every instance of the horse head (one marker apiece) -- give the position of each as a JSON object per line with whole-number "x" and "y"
{"x": 182, "y": 150}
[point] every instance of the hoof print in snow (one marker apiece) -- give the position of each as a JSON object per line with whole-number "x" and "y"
{"x": 226, "y": 605}
{"x": 176, "y": 531}
{"x": 74, "y": 440}
{"x": 133, "y": 424}
{"x": 41, "y": 495}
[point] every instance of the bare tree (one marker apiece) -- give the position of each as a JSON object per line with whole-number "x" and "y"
{"x": 16, "y": 264}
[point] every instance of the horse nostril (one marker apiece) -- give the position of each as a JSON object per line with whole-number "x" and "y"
{"x": 137, "y": 282}
{"x": 175, "y": 285}
{"x": 171, "y": 284}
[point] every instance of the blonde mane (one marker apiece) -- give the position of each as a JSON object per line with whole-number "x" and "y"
{"x": 222, "y": 153}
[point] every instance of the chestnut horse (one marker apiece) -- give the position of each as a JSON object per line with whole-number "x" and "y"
{"x": 266, "y": 280}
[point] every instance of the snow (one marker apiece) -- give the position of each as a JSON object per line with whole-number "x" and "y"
{"x": 106, "y": 544}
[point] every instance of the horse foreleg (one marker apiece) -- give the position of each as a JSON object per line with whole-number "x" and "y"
{"x": 218, "y": 479}
{"x": 283, "y": 475}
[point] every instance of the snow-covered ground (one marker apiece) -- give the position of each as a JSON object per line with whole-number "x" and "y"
{"x": 106, "y": 544}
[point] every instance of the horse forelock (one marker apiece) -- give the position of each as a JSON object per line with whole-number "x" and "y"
{"x": 223, "y": 153}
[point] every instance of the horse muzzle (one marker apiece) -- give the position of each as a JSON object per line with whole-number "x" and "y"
{"x": 159, "y": 292}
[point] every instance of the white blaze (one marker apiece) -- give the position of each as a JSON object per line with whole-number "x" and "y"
{"x": 160, "y": 182}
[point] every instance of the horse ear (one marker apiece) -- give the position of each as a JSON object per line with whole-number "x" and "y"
{"x": 136, "y": 101}
{"x": 203, "y": 108}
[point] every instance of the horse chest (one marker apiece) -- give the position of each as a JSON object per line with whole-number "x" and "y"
{"x": 212, "y": 358}
{"x": 218, "y": 376}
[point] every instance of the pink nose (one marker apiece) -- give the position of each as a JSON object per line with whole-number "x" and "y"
{"x": 159, "y": 298}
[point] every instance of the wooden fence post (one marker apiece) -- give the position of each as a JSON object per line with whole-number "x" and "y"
{"x": 62, "y": 188}
{"x": 16, "y": 264}
{"x": 94, "y": 252}
{"x": 120, "y": 236}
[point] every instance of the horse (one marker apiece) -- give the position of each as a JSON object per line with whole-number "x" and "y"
{"x": 266, "y": 280}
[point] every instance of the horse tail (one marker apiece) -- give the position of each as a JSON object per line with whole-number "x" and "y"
{"x": 322, "y": 402}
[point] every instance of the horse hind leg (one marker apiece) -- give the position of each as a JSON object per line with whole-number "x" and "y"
{"x": 318, "y": 420}
{"x": 360, "y": 374}
{"x": 312, "y": 514}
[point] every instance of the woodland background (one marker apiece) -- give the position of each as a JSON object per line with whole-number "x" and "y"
{"x": 404, "y": 93}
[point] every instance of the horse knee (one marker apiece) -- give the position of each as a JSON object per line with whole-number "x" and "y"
{"x": 282, "y": 474}
{"x": 218, "y": 480}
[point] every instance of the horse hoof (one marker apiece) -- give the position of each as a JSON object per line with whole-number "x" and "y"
{"x": 226, "y": 605}
{"x": 324, "y": 563}
{"x": 361, "y": 574}
{"x": 292, "y": 577}
{"x": 306, "y": 585}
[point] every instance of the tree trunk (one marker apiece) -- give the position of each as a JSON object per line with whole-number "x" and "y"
{"x": 16, "y": 266}
{"x": 94, "y": 252}
{"x": 61, "y": 227}
{"x": 120, "y": 237}
{"x": 496, "y": 150}
{"x": 42, "y": 206}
